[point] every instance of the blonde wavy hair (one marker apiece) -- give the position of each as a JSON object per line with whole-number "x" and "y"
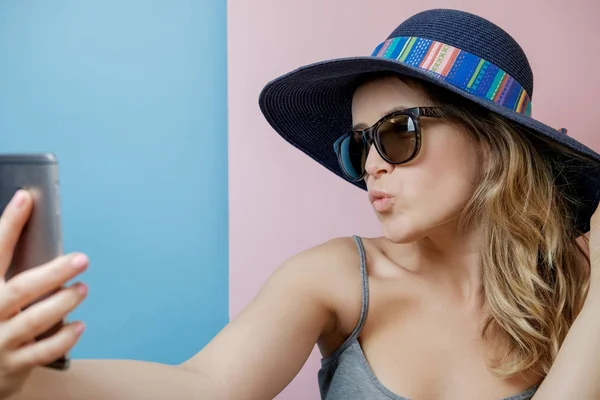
{"x": 535, "y": 270}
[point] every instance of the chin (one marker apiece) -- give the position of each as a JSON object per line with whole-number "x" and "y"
{"x": 399, "y": 229}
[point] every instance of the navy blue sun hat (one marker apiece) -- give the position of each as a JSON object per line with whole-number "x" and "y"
{"x": 310, "y": 107}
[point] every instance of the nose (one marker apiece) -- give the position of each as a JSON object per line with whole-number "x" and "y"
{"x": 375, "y": 165}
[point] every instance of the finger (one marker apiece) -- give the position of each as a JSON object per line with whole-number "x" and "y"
{"x": 47, "y": 350}
{"x": 42, "y": 316}
{"x": 32, "y": 284}
{"x": 12, "y": 221}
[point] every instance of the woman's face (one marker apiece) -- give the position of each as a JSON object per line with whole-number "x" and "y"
{"x": 426, "y": 193}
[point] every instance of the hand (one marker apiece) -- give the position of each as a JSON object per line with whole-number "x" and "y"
{"x": 19, "y": 352}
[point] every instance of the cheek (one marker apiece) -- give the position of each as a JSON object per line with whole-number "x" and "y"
{"x": 432, "y": 189}
{"x": 441, "y": 179}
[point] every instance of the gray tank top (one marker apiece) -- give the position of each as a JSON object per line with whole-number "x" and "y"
{"x": 346, "y": 374}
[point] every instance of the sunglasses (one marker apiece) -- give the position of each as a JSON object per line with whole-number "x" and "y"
{"x": 396, "y": 136}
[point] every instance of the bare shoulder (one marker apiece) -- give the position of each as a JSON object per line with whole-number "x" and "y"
{"x": 326, "y": 257}
{"x": 267, "y": 343}
{"x": 335, "y": 270}
{"x": 323, "y": 267}
{"x": 328, "y": 273}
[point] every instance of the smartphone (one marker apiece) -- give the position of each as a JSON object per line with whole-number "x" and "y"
{"x": 41, "y": 239}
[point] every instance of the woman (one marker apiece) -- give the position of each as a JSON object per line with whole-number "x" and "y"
{"x": 478, "y": 289}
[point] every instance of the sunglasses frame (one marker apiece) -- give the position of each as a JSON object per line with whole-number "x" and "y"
{"x": 372, "y": 136}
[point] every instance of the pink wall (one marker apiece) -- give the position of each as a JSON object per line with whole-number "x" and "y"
{"x": 277, "y": 206}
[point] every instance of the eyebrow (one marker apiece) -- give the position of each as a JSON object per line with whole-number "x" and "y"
{"x": 362, "y": 125}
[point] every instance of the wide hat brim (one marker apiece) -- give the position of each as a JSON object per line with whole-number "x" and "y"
{"x": 311, "y": 107}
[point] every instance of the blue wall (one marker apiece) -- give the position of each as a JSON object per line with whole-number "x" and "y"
{"x": 131, "y": 96}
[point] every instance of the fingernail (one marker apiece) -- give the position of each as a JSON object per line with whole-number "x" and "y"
{"x": 79, "y": 328}
{"x": 80, "y": 261}
{"x": 82, "y": 288}
{"x": 19, "y": 198}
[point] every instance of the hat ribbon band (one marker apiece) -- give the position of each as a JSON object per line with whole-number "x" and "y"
{"x": 459, "y": 68}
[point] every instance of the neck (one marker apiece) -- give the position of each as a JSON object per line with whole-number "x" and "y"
{"x": 451, "y": 260}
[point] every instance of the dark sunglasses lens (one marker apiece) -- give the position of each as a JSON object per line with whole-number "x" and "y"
{"x": 398, "y": 138}
{"x": 352, "y": 155}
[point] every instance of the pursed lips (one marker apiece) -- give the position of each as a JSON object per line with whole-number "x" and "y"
{"x": 380, "y": 200}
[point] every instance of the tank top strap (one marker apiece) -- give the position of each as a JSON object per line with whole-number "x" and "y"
{"x": 363, "y": 309}
{"x": 365, "y": 289}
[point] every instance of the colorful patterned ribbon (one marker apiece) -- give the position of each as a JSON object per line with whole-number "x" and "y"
{"x": 460, "y": 68}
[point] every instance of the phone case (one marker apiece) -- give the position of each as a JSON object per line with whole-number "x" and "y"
{"x": 41, "y": 239}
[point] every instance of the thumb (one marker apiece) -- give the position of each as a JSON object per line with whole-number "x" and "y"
{"x": 12, "y": 221}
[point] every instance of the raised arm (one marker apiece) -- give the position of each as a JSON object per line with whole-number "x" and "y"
{"x": 253, "y": 357}
{"x": 576, "y": 371}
